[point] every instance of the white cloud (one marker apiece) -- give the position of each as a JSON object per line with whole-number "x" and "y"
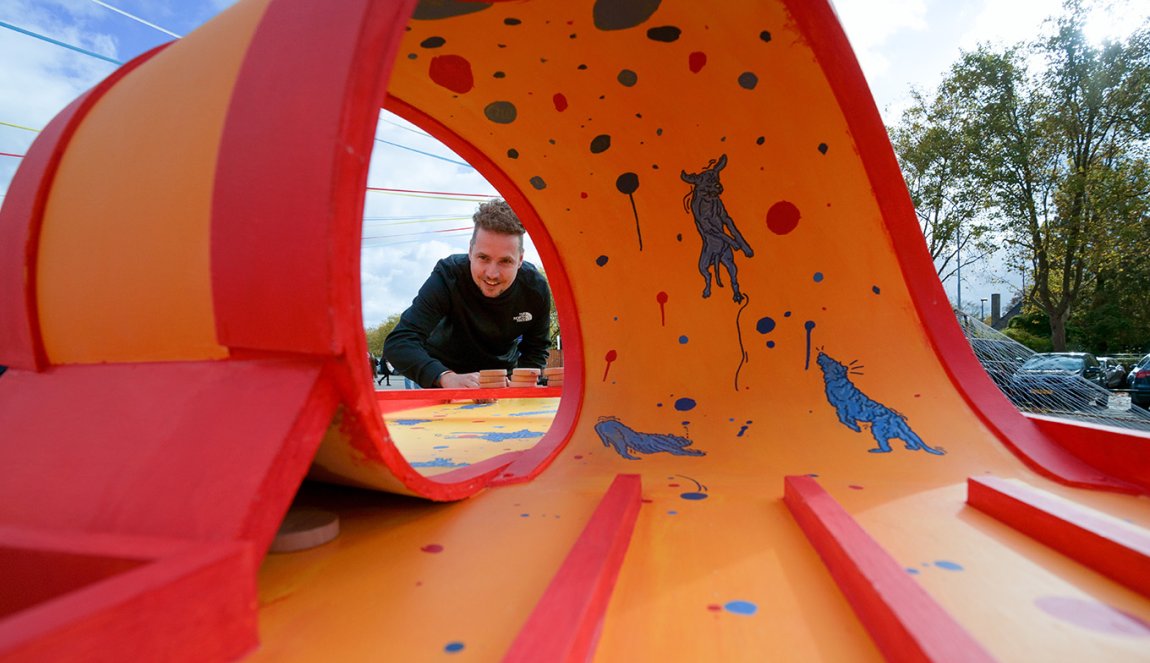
{"x": 870, "y": 24}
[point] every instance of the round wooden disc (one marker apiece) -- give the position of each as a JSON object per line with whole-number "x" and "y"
{"x": 525, "y": 371}
{"x": 493, "y": 372}
{"x": 302, "y": 529}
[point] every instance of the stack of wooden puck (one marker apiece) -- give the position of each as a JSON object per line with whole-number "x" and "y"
{"x": 554, "y": 376}
{"x": 524, "y": 377}
{"x": 492, "y": 378}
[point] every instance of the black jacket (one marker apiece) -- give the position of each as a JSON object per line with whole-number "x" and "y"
{"x": 451, "y": 325}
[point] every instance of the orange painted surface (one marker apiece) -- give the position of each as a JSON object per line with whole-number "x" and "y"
{"x": 838, "y": 356}
{"x": 124, "y": 270}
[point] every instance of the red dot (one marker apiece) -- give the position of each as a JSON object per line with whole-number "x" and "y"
{"x": 661, "y": 298}
{"x": 432, "y": 548}
{"x": 452, "y": 72}
{"x": 783, "y": 217}
{"x": 560, "y": 102}
{"x": 696, "y": 61}
{"x": 583, "y": 194}
{"x": 611, "y": 355}
{"x": 714, "y": 607}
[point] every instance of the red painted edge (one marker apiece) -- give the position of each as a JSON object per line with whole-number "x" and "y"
{"x": 539, "y": 457}
{"x": 182, "y": 601}
{"x": 566, "y": 622}
{"x": 903, "y": 620}
{"x": 22, "y": 216}
{"x": 1116, "y": 454}
{"x": 1081, "y": 533}
{"x": 819, "y": 26}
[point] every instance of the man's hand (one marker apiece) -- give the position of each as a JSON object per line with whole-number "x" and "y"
{"x": 453, "y": 380}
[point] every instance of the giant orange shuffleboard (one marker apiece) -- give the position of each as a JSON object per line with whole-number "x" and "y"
{"x": 729, "y": 242}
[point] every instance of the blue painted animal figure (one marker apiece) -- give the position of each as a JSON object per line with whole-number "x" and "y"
{"x": 625, "y": 440}
{"x": 713, "y": 223}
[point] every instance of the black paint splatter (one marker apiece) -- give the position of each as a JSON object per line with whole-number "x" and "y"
{"x": 627, "y": 184}
{"x": 511, "y": 21}
{"x": 823, "y": 148}
{"x": 538, "y": 183}
{"x": 760, "y": 140}
{"x": 622, "y": 14}
{"x": 666, "y": 33}
{"x": 501, "y": 112}
{"x": 600, "y": 143}
{"x": 748, "y": 80}
{"x": 513, "y": 153}
{"x": 431, "y": 10}
{"x": 628, "y": 78}
{"x": 765, "y": 36}
{"x": 433, "y": 42}
{"x": 601, "y": 260}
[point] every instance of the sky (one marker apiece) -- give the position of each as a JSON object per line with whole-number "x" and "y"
{"x": 900, "y": 44}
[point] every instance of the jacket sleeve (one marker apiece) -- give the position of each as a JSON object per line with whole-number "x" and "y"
{"x": 406, "y": 345}
{"x": 533, "y": 349}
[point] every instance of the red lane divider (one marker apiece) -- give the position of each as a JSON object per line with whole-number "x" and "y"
{"x": 902, "y": 619}
{"x": 466, "y": 394}
{"x": 566, "y": 622}
{"x": 1088, "y": 536}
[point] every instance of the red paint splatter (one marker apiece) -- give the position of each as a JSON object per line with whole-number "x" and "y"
{"x": 715, "y": 607}
{"x": 452, "y": 72}
{"x": 611, "y": 356}
{"x": 854, "y": 487}
{"x": 672, "y": 485}
{"x": 696, "y": 61}
{"x": 647, "y": 501}
{"x": 783, "y": 217}
{"x": 583, "y": 194}
{"x": 662, "y": 299}
{"x": 432, "y": 548}
{"x": 560, "y": 102}
{"x": 578, "y": 457}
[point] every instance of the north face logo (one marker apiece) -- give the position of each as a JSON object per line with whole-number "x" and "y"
{"x": 523, "y": 317}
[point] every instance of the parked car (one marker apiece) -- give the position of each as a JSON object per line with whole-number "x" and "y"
{"x": 1114, "y": 372}
{"x": 1000, "y": 358}
{"x": 1140, "y": 364}
{"x": 1059, "y": 381}
{"x": 1140, "y": 384}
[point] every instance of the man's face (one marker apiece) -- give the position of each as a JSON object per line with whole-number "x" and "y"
{"x": 495, "y": 260}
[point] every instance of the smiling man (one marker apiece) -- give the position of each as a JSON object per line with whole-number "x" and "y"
{"x": 483, "y": 309}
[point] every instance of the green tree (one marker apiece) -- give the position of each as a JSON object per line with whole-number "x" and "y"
{"x": 377, "y": 334}
{"x": 1054, "y": 151}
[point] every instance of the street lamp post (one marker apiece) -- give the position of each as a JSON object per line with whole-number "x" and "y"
{"x": 982, "y": 309}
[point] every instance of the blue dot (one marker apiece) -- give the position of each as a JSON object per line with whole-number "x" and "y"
{"x": 684, "y": 404}
{"x": 741, "y": 607}
{"x": 601, "y": 260}
{"x": 694, "y": 496}
{"x": 524, "y": 515}
{"x": 912, "y": 571}
{"x": 765, "y": 325}
{"x": 770, "y": 344}
{"x": 672, "y": 513}
{"x": 809, "y": 325}
{"x": 453, "y": 647}
{"x": 949, "y": 566}
{"x": 874, "y": 289}
{"x": 787, "y": 314}
{"x": 818, "y": 277}
{"x": 683, "y": 340}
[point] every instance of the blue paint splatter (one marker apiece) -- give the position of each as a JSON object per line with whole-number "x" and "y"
{"x": 770, "y": 344}
{"x": 685, "y": 404}
{"x": 765, "y": 325}
{"x": 874, "y": 289}
{"x": 741, "y": 607}
{"x": 472, "y": 406}
{"x": 524, "y": 515}
{"x": 683, "y": 340}
{"x": 694, "y": 496}
{"x": 453, "y": 647}
{"x": 744, "y": 428}
{"x": 672, "y": 513}
{"x": 818, "y": 277}
{"x": 601, "y": 260}
{"x": 438, "y": 462}
{"x": 809, "y": 325}
{"x": 787, "y": 314}
{"x": 442, "y": 446}
{"x": 410, "y": 422}
{"x": 534, "y": 413}
{"x": 499, "y": 437}
{"x": 912, "y": 571}
{"x": 949, "y": 566}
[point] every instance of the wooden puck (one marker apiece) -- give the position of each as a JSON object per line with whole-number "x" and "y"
{"x": 525, "y": 371}
{"x": 303, "y": 529}
{"x": 493, "y": 372}
{"x": 484, "y": 379}
{"x": 558, "y": 370}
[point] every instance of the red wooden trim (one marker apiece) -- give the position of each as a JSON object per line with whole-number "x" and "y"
{"x": 903, "y": 620}
{"x": 22, "y": 216}
{"x": 816, "y": 21}
{"x": 1083, "y": 534}
{"x": 566, "y": 622}
{"x": 1122, "y": 455}
{"x": 444, "y": 395}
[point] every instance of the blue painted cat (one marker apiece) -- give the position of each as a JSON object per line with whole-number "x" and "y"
{"x": 623, "y": 439}
{"x": 853, "y": 406}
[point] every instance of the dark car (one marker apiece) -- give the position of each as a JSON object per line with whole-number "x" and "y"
{"x": 1139, "y": 365}
{"x": 1059, "y": 381}
{"x": 1140, "y": 384}
{"x": 1000, "y": 358}
{"x": 1114, "y": 372}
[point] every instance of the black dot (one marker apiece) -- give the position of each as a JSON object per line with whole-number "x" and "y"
{"x": 679, "y": 237}
{"x": 667, "y": 33}
{"x": 538, "y": 183}
{"x": 513, "y": 153}
{"x": 412, "y": 56}
{"x": 433, "y": 42}
{"x": 823, "y": 148}
{"x": 600, "y": 143}
{"x": 659, "y": 132}
{"x": 511, "y": 21}
{"x": 499, "y": 74}
{"x": 627, "y": 183}
{"x": 601, "y": 260}
{"x": 765, "y": 36}
{"x": 581, "y": 67}
{"x": 748, "y": 80}
{"x": 760, "y": 140}
{"x": 628, "y": 77}
{"x": 501, "y": 112}
{"x": 875, "y": 289}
